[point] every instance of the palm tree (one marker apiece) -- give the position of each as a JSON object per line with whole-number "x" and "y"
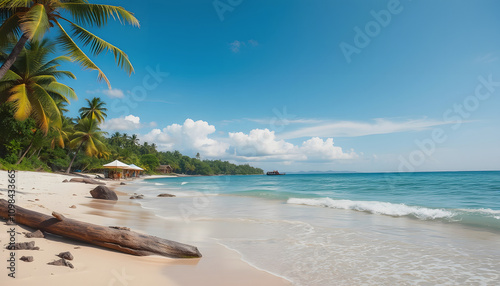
{"x": 88, "y": 136}
{"x": 134, "y": 140}
{"x": 31, "y": 85}
{"x": 115, "y": 138}
{"x": 31, "y": 19}
{"x": 95, "y": 110}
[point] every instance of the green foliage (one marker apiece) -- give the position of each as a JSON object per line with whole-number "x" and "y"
{"x": 31, "y": 85}
{"x": 35, "y": 18}
{"x": 150, "y": 162}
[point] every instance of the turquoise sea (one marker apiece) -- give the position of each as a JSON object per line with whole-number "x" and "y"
{"x": 346, "y": 229}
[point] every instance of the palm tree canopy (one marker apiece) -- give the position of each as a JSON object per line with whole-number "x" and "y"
{"x": 35, "y": 17}
{"x": 31, "y": 85}
{"x": 94, "y": 110}
{"x": 88, "y": 135}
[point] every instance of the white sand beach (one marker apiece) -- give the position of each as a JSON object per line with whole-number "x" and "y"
{"x": 93, "y": 265}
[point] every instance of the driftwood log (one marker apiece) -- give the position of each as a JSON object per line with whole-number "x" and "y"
{"x": 122, "y": 240}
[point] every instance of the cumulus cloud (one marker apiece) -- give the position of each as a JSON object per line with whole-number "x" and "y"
{"x": 112, "y": 93}
{"x": 129, "y": 122}
{"x": 259, "y": 142}
{"x": 262, "y": 144}
{"x": 191, "y": 136}
{"x": 318, "y": 149}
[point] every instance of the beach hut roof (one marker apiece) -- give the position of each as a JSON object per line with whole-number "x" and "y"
{"x": 133, "y": 166}
{"x": 117, "y": 165}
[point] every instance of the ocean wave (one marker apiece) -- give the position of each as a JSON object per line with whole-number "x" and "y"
{"x": 376, "y": 207}
{"x": 159, "y": 184}
{"x": 183, "y": 183}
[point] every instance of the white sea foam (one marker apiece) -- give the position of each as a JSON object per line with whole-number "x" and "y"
{"x": 183, "y": 183}
{"x": 482, "y": 211}
{"x": 159, "y": 184}
{"x": 376, "y": 207}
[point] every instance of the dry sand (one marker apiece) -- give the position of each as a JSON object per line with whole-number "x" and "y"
{"x": 45, "y": 192}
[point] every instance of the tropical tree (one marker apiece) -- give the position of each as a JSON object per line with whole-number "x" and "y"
{"x": 134, "y": 140}
{"x": 31, "y": 19}
{"x": 94, "y": 110}
{"x": 87, "y": 136}
{"x": 31, "y": 85}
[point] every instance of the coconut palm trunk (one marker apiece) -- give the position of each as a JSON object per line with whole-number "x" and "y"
{"x": 11, "y": 59}
{"x": 74, "y": 157}
{"x": 25, "y": 152}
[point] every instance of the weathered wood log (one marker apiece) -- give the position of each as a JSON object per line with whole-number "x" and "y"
{"x": 122, "y": 240}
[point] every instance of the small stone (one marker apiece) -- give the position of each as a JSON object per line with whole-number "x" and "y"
{"x": 9, "y": 222}
{"x": 66, "y": 255}
{"x": 73, "y": 207}
{"x": 65, "y": 181}
{"x": 35, "y": 234}
{"x": 122, "y": 183}
{"x": 137, "y": 197}
{"x": 165, "y": 196}
{"x": 75, "y": 195}
{"x": 37, "y": 200}
{"x": 61, "y": 262}
{"x": 27, "y": 258}
{"x": 76, "y": 247}
{"x": 25, "y": 246}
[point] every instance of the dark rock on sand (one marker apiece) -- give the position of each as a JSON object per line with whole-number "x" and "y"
{"x": 25, "y": 246}
{"x": 122, "y": 183}
{"x": 35, "y": 234}
{"x": 61, "y": 262}
{"x": 65, "y": 181}
{"x": 165, "y": 196}
{"x": 103, "y": 193}
{"x": 66, "y": 255}
{"x": 137, "y": 197}
{"x": 26, "y": 258}
{"x": 72, "y": 207}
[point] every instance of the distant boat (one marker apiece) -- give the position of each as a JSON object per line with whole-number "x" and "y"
{"x": 275, "y": 173}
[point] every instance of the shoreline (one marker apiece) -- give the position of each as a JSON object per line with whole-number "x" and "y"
{"x": 45, "y": 192}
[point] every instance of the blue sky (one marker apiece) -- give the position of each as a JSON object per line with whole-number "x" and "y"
{"x": 269, "y": 83}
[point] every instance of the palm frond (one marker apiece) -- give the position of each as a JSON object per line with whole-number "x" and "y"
{"x": 56, "y": 62}
{"x": 61, "y": 74}
{"x": 15, "y": 3}
{"x": 78, "y": 55}
{"x": 62, "y": 90}
{"x": 35, "y": 22}
{"x": 43, "y": 79}
{"x": 9, "y": 28}
{"x": 98, "y": 15}
{"x": 21, "y": 102}
{"x": 11, "y": 76}
{"x": 45, "y": 108}
{"x": 98, "y": 45}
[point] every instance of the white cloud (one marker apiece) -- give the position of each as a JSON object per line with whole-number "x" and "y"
{"x": 262, "y": 144}
{"x": 259, "y": 142}
{"x": 355, "y": 129}
{"x": 258, "y": 145}
{"x": 191, "y": 136}
{"x": 320, "y": 150}
{"x": 129, "y": 122}
{"x": 113, "y": 93}
{"x": 236, "y": 46}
